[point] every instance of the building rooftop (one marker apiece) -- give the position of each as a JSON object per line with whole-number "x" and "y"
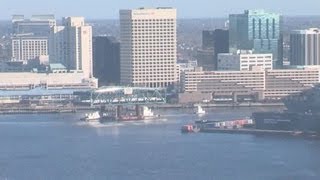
{"x": 307, "y": 31}
{"x": 156, "y": 8}
{"x": 38, "y": 92}
{"x": 57, "y": 66}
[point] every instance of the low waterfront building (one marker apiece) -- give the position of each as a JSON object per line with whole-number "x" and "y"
{"x": 256, "y": 84}
{"x": 243, "y": 60}
{"x": 30, "y": 80}
{"x": 189, "y": 66}
{"x": 38, "y": 96}
{"x": 54, "y": 86}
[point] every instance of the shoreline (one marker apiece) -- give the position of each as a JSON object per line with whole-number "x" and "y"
{"x": 74, "y": 109}
{"x": 44, "y": 110}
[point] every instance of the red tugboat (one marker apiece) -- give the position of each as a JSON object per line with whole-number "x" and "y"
{"x": 189, "y": 128}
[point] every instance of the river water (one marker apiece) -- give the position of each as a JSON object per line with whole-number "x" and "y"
{"x": 58, "y": 146}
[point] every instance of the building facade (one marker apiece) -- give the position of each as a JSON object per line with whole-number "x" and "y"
{"x": 265, "y": 85}
{"x": 257, "y": 30}
{"x": 30, "y": 36}
{"x": 205, "y": 59}
{"x": 305, "y": 47}
{"x": 29, "y": 48}
{"x": 71, "y": 45}
{"x": 148, "y": 52}
{"x": 57, "y": 86}
{"x": 244, "y": 61}
{"x": 213, "y": 42}
{"x": 106, "y": 60}
{"x": 30, "y": 80}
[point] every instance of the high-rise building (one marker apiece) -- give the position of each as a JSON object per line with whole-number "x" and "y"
{"x": 305, "y": 47}
{"x": 221, "y": 41}
{"x": 208, "y": 39}
{"x": 30, "y": 36}
{"x": 148, "y": 52}
{"x": 71, "y": 45}
{"x": 57, "y": 45}
{"x": 106, "y": 60}
{"x": 217, "y": 39}
{"x": 213, "y": 42}
{"x": 257, "y": 30}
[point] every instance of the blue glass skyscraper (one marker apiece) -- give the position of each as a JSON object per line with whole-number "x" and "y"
{"x": 257, "y": 30}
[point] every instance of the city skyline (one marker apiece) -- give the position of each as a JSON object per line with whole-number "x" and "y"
{"x": 99, "y": 9}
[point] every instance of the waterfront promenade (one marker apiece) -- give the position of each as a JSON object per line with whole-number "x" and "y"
{"x": 44, "y": 109}
{"x": 212, "y": 105}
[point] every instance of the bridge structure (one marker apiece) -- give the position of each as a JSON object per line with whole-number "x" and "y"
{"x": 117, "y": 95}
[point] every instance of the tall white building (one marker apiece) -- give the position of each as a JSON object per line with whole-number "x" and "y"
{"x": 305, "y": 47}
{"x": 244, "y": 60}
{"x": 71, "y": 45}
{"x": 148, "y": 53}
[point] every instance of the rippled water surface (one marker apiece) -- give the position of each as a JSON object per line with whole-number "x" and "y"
{"x": 58, "y": 146}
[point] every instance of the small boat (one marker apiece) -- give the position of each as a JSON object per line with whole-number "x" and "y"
{"x": 189, "y": 128}
{"x": 91, "y": 117}
{"x": 200, "y": 111}
{"x": 147, "y": 113}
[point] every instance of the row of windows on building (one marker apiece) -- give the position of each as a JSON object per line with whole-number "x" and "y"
{"x": 170, "y": 45}
{"x": 260, "y": 61}
{"x": 154, "y": 25}
{"x": 153, "y": 36}
{"x": 256, "y": 57}
{"x": 158, "y": 63}
{"x": 151, "y": 20}
{"x": 156, "y": 48}
{"x": 144, "y": 79}
{"x": 155, "y": 54}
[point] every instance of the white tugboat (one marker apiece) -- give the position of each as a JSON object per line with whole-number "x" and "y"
{"x": 92, "y": 117}
{"x": 147, "y": 113}
{"x": 200, "y": 111}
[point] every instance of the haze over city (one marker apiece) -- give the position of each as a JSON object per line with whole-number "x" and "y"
{"x": 159, "y": 89}
{"x": 101, "y": 9}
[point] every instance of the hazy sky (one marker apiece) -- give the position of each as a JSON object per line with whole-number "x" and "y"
{"x": 103, "y": 9}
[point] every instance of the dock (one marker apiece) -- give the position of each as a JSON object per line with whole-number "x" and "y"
{"x": 261, "y": 132}
{"x": 43, "y": 109}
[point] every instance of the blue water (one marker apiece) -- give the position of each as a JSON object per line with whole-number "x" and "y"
{"x": 58, "y": 146}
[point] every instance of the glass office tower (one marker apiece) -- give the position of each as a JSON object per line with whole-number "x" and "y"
{"x": 257, "y": 30}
